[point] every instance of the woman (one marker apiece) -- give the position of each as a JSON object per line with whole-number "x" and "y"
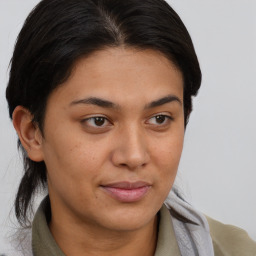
{"x": 100, "y": 93}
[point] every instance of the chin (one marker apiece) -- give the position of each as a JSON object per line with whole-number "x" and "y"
{"x": 130, "y": 218}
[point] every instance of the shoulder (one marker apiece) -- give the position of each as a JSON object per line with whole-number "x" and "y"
{"x": 230, "y": 240}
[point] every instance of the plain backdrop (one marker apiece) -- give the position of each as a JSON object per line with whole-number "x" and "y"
{"x": 218, "y": 169}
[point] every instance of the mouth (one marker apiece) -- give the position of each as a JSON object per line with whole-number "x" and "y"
{"x": 127, "y": 192}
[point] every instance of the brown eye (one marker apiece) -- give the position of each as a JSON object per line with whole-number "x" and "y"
{"x": 99, "y": 121}
{"x": 96, "y": 122}
{"x": 160, "y": 119}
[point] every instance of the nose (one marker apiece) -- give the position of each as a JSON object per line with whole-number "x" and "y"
{"x": 131, "y": 149}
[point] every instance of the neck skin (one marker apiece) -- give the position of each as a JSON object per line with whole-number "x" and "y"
{"x": 81, "y": 239}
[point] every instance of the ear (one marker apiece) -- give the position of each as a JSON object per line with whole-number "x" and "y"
{"x": 29, "y": 133}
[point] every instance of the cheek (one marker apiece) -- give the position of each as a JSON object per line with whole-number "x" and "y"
{"x": 167, "y": 158}
{"x": 71, "y": 168}
{"x": 71, "y": 157}
{"x": 168, "y": 150}
{"x": 73, "y": 161}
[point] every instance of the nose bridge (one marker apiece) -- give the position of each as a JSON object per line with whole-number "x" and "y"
{"x": 131, "y": 150}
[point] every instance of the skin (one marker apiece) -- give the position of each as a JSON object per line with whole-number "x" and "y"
{"x": 138, "y": 137}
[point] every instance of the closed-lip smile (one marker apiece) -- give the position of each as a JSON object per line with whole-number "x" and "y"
{"x": 126, "y": 191}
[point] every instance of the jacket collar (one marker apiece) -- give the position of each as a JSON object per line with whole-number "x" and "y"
{"x": 43, "y": 243}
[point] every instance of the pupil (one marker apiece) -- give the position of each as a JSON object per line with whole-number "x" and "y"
{"x": 160, "y": 119}
{"x": 99, "y": 121}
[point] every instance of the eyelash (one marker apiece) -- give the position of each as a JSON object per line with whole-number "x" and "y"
{"x": 167, "y": 119}
{"x": 106, "y": 122}
{"x": 94, "y": 119}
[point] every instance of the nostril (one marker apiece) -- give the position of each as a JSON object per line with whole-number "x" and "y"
{"x": 133, "y": 165}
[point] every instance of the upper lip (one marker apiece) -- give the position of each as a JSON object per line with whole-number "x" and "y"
{"x": 127, "y": 184}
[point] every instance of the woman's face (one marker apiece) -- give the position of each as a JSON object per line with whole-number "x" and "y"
{"x": 113, "y": 137}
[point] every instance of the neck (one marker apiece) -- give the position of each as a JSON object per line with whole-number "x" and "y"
{"x": 81, "y": 239}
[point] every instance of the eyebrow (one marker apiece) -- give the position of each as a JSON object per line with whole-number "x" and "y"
{"x": 96, "y": 101}
{"x": 162, "y": 101}
{"x": 108, "y": 104}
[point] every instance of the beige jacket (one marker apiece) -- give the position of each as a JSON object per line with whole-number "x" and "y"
{"x": 227, "y": 240}
{"x": 230, "y": 240}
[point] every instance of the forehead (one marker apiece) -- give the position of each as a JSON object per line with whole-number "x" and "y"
{"x": 125, "y": 58}
{"x": 118, "y": 73}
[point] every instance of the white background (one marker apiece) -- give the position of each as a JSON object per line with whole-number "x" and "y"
{"x": 218, "y": 169}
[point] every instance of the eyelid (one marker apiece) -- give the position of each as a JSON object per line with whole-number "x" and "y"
{"x": 84, "y": 121}
{"x": 164, "y": 114}
{"x": 168, "y": 118}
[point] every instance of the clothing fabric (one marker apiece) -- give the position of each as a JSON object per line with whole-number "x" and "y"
{"x": 191, "y": 227}
{"x": 182, "y": 231}
{"x": 229, "y": 240}
{"x": 191, "y": 231}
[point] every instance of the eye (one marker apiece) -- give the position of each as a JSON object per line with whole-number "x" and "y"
{"x": 96, "y": 122}
{"x": 160, "y": 120}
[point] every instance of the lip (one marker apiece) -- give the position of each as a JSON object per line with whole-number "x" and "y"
{"x": 127, "y": 191}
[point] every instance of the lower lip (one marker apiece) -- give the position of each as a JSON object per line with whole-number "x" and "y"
{"x": 127, "y": 195}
